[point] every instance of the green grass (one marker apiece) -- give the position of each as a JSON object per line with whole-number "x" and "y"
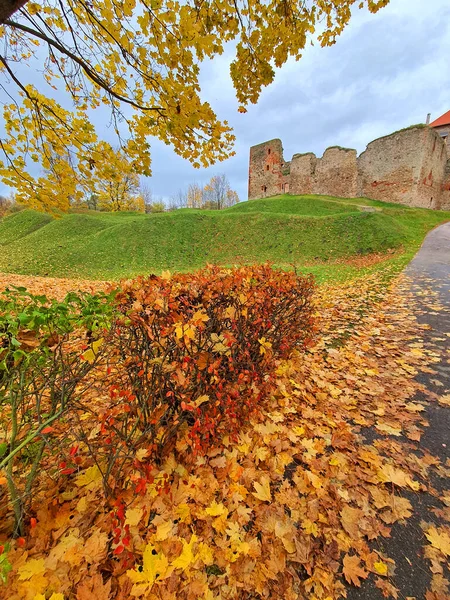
{"x": 312, "y": 233}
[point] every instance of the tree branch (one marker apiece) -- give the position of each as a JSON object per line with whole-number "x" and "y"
{"x": 91, "y": 74}
{"x": 9, "y": 7}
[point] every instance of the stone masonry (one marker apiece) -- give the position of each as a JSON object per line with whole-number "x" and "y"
{"x": 409, "y": 167}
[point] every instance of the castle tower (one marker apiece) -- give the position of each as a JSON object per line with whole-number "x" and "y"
{"x": 265, "y": 176}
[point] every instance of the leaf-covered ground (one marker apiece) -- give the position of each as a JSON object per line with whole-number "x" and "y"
{"x": 297, "y": 507}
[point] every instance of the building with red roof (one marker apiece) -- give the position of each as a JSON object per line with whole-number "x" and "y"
{"x": 442, "y": 126}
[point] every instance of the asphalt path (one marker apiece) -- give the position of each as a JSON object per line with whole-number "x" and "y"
{"x": 429, "y": 284}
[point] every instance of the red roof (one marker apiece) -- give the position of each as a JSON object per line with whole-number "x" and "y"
{"x": 444, "y": 120}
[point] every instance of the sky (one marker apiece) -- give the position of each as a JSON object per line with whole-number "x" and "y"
{"x": 385, "y": 72}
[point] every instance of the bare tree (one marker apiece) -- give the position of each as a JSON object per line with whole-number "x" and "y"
{"x": 218, "y": 194}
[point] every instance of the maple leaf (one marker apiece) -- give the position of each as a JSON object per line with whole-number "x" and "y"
{"x": 34, "y": 566}
{"x": 93, "y": 587}
{"x": 387, "y": 588}
{"x": 155, "y": 566}
{"x": 444, "y": 400}
{"x": 352, "y": 570}
{"x": 163, "y": 530}
{"x": 215, "y": 510}
{"x": 95, "y": 547}
{"x": 186, "y": 557}
{"x": 350, "y": 518}
{"x": 381, "y": 568}
{"x": 133, "y": 516}
{"x": 90, "y": 478}
{"x": 439, "y": 539}
{"x": 389, "y": 473}
{"x": 262, "y": 489}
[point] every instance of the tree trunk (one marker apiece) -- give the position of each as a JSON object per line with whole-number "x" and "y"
{"x": 9, "y": 7}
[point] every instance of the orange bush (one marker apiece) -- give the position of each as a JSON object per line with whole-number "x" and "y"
{"x": 197, "y": 352}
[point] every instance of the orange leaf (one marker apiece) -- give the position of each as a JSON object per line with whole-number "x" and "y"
{"x": 352, "y": 570}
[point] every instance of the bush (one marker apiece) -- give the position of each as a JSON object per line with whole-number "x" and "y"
{"x": 40, "y": 375}
{"x": 196, "y": 353}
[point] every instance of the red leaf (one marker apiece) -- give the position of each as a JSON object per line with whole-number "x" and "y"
{"x": 48, "y": 429}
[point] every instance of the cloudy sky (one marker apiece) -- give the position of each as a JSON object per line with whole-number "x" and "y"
{"x": 385, "y": 72}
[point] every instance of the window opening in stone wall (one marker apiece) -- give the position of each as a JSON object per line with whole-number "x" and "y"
{"x": 268, "y": 151}
{"x": 267, "y": 167}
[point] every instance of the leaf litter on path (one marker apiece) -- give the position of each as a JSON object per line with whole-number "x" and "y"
{"x": 290, "y": 509}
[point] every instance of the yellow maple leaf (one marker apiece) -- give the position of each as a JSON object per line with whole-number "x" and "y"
{"x": 141, "y": 454}
{"x": 444, "y": 400}
{"x": 34, "y": 566}
{"x": 215, "y": 510}
{"x": 155, "y": 565}
{"x": 163, "y": 530}
{"x": 262, "y": 490}
{"x": 314, "y": 479}
{"x": 90, "y": 477}
{"x": 389, "y": 473}
{"x": 439, "y": 539}
{"x": 205, "y": 554}
{"x": 183, "y": 512}
{"x": 88, "y": 356}
{"x": 262, "y": 453}
{"x": 310, "y": 527}
{"x": 133, "y": 516}
{"x": 186, "y": 557}
{"x": 381, "y": 568}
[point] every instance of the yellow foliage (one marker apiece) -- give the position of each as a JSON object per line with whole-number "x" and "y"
{"x": 140, "y": 62}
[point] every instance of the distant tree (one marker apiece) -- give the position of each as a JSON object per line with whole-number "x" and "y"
{"x": 218, "y": 194}
{"x": 116, "y": 183}
{"x": 178, "y": 200}
{"x": 92, "y": 202}
{"x": 146, "y": 194}
{"x": 158, "y": 206}
{"x": 4, "y": 205}
{"x": 194, "y": 197}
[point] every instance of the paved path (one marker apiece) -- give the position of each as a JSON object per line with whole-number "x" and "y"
{"x": 429, "y": 274}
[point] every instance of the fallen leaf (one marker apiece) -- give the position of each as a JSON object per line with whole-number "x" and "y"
{"x": 352, "y": 570}
{"x": 262, "y": 489}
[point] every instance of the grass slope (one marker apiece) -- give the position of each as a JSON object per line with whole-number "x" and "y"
{"x": 314, "y": 233}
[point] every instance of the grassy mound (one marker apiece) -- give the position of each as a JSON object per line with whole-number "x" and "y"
{"x": 314, "y": 233}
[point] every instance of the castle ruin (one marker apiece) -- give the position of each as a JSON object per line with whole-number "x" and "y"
{"x": 409, "y": 167}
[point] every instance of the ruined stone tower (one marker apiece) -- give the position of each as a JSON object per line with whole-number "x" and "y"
{"x": 268, "y": 172}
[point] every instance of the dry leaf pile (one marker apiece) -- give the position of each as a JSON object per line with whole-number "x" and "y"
{"x": 288, "y": 511}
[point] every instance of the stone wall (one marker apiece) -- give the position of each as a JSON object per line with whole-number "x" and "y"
{"x": 445, "y": 203}
{"x": 335, "y": 174}
{"x": 407, "y": 167}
